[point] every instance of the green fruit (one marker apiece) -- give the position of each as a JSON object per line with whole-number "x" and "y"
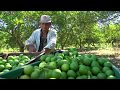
{"x": 79, "y": 77}
{"x": 63, "y": 75}
{"x": 74, "y": 66}
{"x": 1, "y": 58}
{"x": 64, "y": 61}
{"x": 28, "y": 69}
{"x": 52, "y": 78}
{"x": 16, "y": 62}
{"x": 20, "y": 64}
{"x": 83, "y": 77}
{"x": 107, "y": 64}
{"x": 36, "y": 67}
{"x": 65, "y": 67}
{"x": 2, "y": 67}
{"x": 1, "y": 62}
{"x": 95, "y": 70}
{"x": 21, "y": 55}
{"x": 42, "y": 64}
{"x": 15, "y": 66}
{"x": 80, "y": 61}
{"x": 59, "y": 57}
{"x": 93, "y": 57}
{"x": 53, "y": 58}
{"x": 83, "y": 70}
{"x": 43, "y": 57}
{"x": 75, "y": 53}
{"x": 109, "y": 72}
{"x": 52, "y": 65}
{"x": 6, "y": 70}
{"x": 35, "y": 75}
{"x": 111, "y": 77}
{"x": 101, "y": 76}
{"x": 4, "y": 61}
{"x": 8, "y": 66}
{"x": 11, "y": 62}
{"x": 25, "y": 57}
{"x": 87, "y": 61}
{"x": 95, "y": 64}
{"x": 10, "y": 57}
{"x": 56, "y": 73}
{"x": 101, "y": 61}
{"x": 104, "y": 69}
{"x": 48, "y": 74}
{"x": 71, "y": 78}
{"x": 42, "y": 74}
{"x": 87, "y": 55}
{"x": 78, "y": 73}
{"x": 94, "y": 77}
{"x": 71, "y": 73}
{"x": 48, "y": 59}
{"x": 24, "y": 77}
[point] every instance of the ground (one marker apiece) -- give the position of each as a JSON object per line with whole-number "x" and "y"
{"x": 113, "y": 54}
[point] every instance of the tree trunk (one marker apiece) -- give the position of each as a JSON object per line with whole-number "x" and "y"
{"x": 21, "y": 48}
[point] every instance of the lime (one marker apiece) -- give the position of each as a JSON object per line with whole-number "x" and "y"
{"x": 74, "y": 66}
{"x": 28, "y": 69}
{"x": 87, "y": 61}
{"x": 71, "y": 73}
{"x": 35, "y": 75}
{"x": 42, "y": 64}
{"x": 56, "y": 73}
{"x": 65, "y": 67}
{"x": 108, "y": 64}
{"x": 83, "y": 70}
{"x": 2, "y": 67}
{"x": 111, "y": 77}
{"x": 95, "y": 64}
{"x": 48, "y": 59}
{"x": 52, "y": 65}
{"x": 43, "y": 57}
{"x": 95, "y": 70}
{"x": 101, "y": 76}
{"x": 104, "y": 69}
{"x": 109, "y": 72}
{"x": 94, "y": 77}
{"x": 71, "y": 78}
{"x": 24, "y": 77}
{"x": 63, "y": 75}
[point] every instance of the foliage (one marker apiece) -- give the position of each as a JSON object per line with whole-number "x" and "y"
{"x": 75, "y": 28}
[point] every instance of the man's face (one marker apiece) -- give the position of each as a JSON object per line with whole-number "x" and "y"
{"x": 45, "y": 26}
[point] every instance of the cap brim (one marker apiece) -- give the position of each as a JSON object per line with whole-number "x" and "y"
{"x": 45, "y": 22}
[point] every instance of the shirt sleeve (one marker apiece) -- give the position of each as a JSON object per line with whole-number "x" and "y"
{"x": 31, "y": 39}
{"x": 52, "y": 42}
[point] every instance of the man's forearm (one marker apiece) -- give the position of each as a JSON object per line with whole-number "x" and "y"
{"x": 31, "y": 48}
{"x": 46, "y": 50}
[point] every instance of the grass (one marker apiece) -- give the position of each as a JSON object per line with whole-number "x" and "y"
{"x": 4, "y": 50}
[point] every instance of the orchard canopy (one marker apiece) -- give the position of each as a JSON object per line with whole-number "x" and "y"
{"x": 75, "y": 28}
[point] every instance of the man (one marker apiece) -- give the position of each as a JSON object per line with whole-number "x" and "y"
{"x": 44, "y": 38}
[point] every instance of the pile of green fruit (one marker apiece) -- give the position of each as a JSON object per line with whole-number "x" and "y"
{"x": 12, "y": 62}
{"x": 70, "y": 65}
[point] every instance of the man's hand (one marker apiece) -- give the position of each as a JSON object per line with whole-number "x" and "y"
{"x": 31, "y": 48}
{"x": 46, "y": 50}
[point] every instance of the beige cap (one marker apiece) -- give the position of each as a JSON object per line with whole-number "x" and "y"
{"x": 45, "y": 19}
